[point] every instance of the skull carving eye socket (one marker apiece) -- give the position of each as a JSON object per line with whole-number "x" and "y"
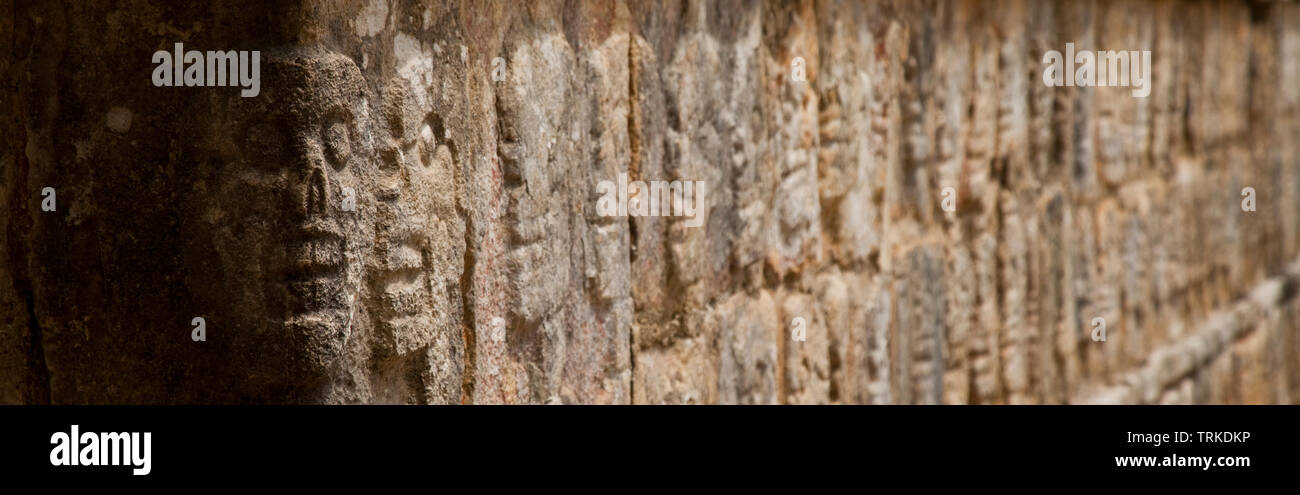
{"x": 427, "y": 144}
{"x": 390, "y": 158}
{"x": 337, "y": 146}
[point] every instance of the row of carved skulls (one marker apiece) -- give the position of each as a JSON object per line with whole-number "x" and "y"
{"x": 300, "y": 275}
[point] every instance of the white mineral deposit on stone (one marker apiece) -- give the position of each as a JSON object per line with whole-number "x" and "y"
{"x": 119, "y": 119}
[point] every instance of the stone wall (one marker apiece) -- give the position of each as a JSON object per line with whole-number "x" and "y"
{"x": 477, "y": 268}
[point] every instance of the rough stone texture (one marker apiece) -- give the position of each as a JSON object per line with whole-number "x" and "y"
{"x": 476, "y": 268}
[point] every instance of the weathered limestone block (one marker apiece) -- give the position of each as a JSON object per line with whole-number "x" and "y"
{"x": 1011, "y": 153}
{"x": 807, "y": 360}
{"x": 1045, "y": 150}
{"x": 408, "y": 211}
{"x": 1074, "y": 112}
{"x": 748, "y": 330}
{"x": 1135, "y": 289}
{"x": 1058, "y": 344}
{"x": 1288, "y": 346}
{"x": 960, "y": 313}
{"x": 1016, "y": 333}
{"x": 887, "y": 130}
{"x": 986, "y": 346}
{"x": 647, "y": 124}
{"x": 843, "y": 315}
{"x": 791, "y": 110}
{"x": 564, "y": 349}
{"x": 1164, "y": 103}
{"x": 1108, "y": 288}
{"x": 849, "y": 179}
{"x": 1287, "y": 121}
{"x": 715, "y": 134}
{"x": 535, "y": 111}
{"x": 1122, "y": 121}
{"x": 917, "y": 331}
{"x": 685, "y": 372}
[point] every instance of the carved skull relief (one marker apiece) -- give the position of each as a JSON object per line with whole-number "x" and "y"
{"x": 415, "y": 205}
{"x": 286, "y": 217}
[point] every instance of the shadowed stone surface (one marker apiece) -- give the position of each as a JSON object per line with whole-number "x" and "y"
{"x": 475, "y": 267}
